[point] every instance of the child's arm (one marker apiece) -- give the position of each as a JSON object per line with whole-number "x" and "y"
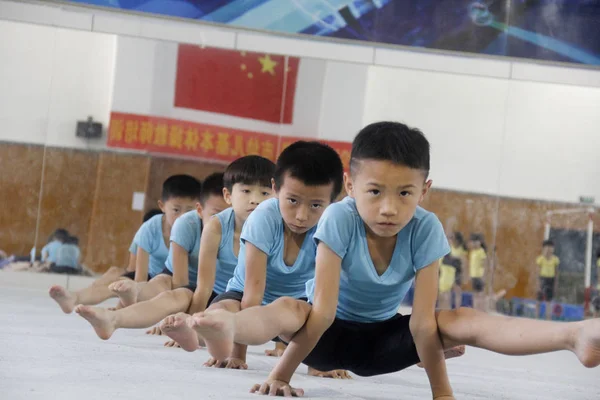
{"x": 207, "y": 265}
{"x": 180, "y": 265}
{"x": 322, "y": 315}
{"x": 132, "y": 262}
{"x": 424, "y": 329}
{"x": 142, "y": 259}
{"x": 254, "y": 287}
{"x": 256, "y": 276}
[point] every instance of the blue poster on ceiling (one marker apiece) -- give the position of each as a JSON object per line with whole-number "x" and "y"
{"x": 552, "y": 30}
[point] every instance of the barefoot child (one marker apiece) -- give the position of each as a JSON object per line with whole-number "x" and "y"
{"x": 247, "y": 183}
{"x": 371, "y": 246}
{"x": 277, "y": 250}
{"x": 185, "y": 245}
{"x": 180, "y": 193}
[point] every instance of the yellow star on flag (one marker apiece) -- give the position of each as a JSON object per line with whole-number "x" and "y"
{"x": 268, "y": 65}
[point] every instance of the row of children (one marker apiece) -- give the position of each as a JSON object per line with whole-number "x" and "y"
{"x": 284, "y": 262}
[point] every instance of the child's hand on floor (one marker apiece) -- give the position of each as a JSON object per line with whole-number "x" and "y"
{"x": 172, "y": 343}
{"x": 230, "y": 363}
{"x": 274, "y": 387}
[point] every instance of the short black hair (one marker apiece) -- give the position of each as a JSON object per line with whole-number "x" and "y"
{"x": 72, "y": 240}
{"x": 185, "y": 186}
{"x": 548, "y": 243}
{"x": 391, "y": 141}
{"x": 313, "y": 163}
{"x": 212, "y": 185}
{"x": 152, "y": 213}
{"x": 60, "y": 234}
{"x": 249, "y": 170}
{"x": 478, "y": 237}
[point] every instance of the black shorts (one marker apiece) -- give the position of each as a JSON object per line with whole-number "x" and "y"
{"x": 191, "y": 286}
{"x": 546, "y": 292}
{"x": 458, "y": 277}
{"x": 366, "y": 349}
{"x": 596, "y": 303}
{"x": 131, "y": 275}
{"x": 477, "y": 284}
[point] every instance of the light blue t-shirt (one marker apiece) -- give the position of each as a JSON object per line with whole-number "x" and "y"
{"x": 264, "y": 229}
{"x": 150, "y": 238}
{"x": 67, "y": 255}
{"x": 226, "y": 259}
{"x": 186, "y": 232}
{"x": 364, "y": 295}
{"x": 49, "y": 251}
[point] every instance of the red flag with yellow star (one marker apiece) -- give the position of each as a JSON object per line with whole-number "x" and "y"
{"x": 243, "y": 84}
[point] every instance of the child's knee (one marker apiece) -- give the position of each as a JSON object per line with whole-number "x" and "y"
{"x": 292, "y": 305}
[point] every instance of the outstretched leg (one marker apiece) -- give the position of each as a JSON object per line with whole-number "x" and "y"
{"x": 520, "y": 336}
{"x": 96, "y": 293}
{"x": 252, "y": 326}
{"x": 140, "y": 315}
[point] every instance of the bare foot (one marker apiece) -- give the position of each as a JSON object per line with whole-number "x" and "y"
{"x": 126, "y": 290}
{"x": 335, "y": 374}
{"x": 65, "y": 300}
{"x": 176, "y": 327}
{"x": 451, "y": 353}
{"x": 277, "y": 351}
{"x": 217, "y": 330}
{"x": 100, "y": 319}
{"x": 587, "y": 343}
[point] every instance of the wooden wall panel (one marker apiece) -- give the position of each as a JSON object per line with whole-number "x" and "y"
{"x": 68, "y": 193}
{"x": 20, "y": 177}
{"x": 162, "y": 168}
{"x": 113, "y": 222}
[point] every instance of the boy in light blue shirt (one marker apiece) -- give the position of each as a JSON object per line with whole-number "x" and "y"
{"x": 369, "y": 250}
{"x": 277, "y": 250}
{"x": 57, "y": 238}
{"x": 247, "y": 183}
{"x": 67, "y": 257}
{"x": 180, "y": 193}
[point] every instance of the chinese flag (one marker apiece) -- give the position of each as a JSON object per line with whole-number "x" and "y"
{"x": 244, "y": 84}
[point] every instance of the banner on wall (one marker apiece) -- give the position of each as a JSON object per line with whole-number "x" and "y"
{"x": 567, "y": 31}
{"x": 238, "y": 83}
{"x": 202, "y": 141}
{"x": 190, "y": 139}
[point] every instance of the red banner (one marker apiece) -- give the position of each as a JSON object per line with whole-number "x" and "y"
{"x": 210, "y": 142}
{"x": 170, "y": 136}
{"x": 244, "y": 84}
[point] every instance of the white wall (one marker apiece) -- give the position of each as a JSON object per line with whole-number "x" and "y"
{"x": 51, "y": 78}
{"x": 496, "y": 135}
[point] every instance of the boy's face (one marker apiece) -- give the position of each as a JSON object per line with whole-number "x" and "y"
{"x": 214, "y": 204}
{"x": 386, "y": 194}
{"x": 245, "y": 198}
{"x": 175, "y": 207}
{"x": 548, "y": 251}
{"x": 301, "y": 206}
